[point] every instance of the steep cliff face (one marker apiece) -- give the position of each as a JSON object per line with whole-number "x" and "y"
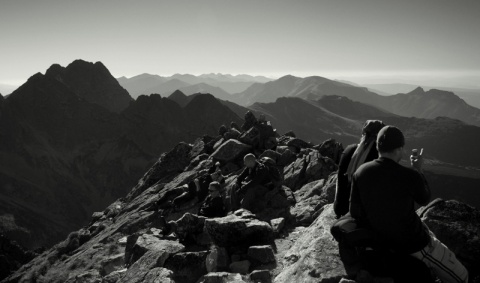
{"x": 142, "y": 238}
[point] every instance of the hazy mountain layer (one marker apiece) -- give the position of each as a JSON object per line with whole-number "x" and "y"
{"x": 220, "y": 85}
{"x": 418, "y": 103}
{"x": 471, "y": 96}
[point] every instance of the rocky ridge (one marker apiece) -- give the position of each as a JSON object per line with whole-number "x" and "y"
{"x": 288, "y": 240}
{"x": 66, "y": 151}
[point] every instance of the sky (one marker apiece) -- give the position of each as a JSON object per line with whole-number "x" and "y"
{"x": 365, "y": 41}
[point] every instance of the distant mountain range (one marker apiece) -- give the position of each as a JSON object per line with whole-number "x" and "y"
{"x": 417, "y": 103}
{"x": 471, "y": 96}
{"x": 220, "y": 85}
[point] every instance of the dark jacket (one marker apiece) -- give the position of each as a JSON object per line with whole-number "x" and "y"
{"x": 212, "y": 207}
{"x": 258, "y": 175}
{"x": 342, "y": 196}
{"x": 383, "y": 199}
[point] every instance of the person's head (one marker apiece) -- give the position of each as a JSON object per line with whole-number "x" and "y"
{"x": 249, "y": 160}
{"x": 249, "y": 116}
{"x": 222, "y": 130}
{"x": 214, "y": 188}
{"x": 217, "y": 175}
{"x": 390, "y": 143}
{"x": 371, "y": 128}
{"x": 262, "y": 118}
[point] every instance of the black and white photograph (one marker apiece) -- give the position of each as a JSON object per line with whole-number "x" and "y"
{"x": 239, "y": 141}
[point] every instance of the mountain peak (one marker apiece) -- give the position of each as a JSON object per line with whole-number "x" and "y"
{"x": 417, "y": 91}
{"x": 177, "y": 93}
{"x": 287, "y": 77}
{"x": 93, "y": 82}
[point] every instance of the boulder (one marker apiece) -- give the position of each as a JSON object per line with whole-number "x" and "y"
{"x": 287, "y": 156}
{"x": 261, "y": 254}
{"x": 188, "y": 225}
{"x": 241, "y": 267}
{"x": 261, "y": 276}
{"x": 293, "y": 142}
{"x": 457, "y": 225}
{"x": 314, "y": 256}
{"x": 331, "y": 149}
{"x": 187, "y": 267}
{"x": 298, "y": 143}
{"x": 239, "y": 228}
{"x": 114, "y": 276}
{"x": 159, "y": 275}
{"x": 198, "y": 148}
{"x": 138, "y": 270}
{"x": 96, "y": 216}
{"x": 311, "y": 199}
{"x": 217, "y": 259}
{"x": 145, "y": 243}
{"x": 91, "y": 276}
{"x": 222, "y": 277}
{"x": 219, "y": 142}
{"x": 232, "y": 134}
{"x": 112, "y": 263}
{"x": 275, "y": 156}
{"x": 231, "y": 150}
{"x": 197, "y": 160}
{"x": 309, "y": 167}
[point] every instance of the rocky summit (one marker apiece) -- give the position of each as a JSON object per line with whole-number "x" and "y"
{"x": 143, "y": 237}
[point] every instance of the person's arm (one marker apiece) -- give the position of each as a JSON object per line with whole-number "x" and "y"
{"x": 260, "y": 176}
{"x": 356, "y": 210}
{"x": 343, "y": 187}
{"x": 420, "y": 189}
{"x": 242, "y": 176}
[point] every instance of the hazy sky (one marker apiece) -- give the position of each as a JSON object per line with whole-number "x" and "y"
{"x": 335, "y": 39}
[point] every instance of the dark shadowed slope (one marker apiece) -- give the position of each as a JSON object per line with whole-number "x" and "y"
{"x": 64, "y": 156}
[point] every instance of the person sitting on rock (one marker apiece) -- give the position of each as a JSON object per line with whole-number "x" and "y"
{"x": 382, "y": 200}
{"x": 199, "y": 186}
{"x": 213, "y": 205}
{"x": 235, "y": 126}
{"x": 222, "y": 130}
{"x": 250, "y": 121}
{"x": 249, "y": 183}
{"x": 352, "y": 157}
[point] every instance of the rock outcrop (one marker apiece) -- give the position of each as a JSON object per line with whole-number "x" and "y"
{"x": 143, "y": 238}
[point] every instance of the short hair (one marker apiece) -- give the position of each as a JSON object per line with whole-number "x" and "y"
{"x": 390, "y": 138}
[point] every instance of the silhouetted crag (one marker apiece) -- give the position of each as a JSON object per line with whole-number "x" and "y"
{"x": 92, "y": 82}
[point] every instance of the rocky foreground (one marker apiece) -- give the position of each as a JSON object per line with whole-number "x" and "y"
{"x": 287, "y": 241}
